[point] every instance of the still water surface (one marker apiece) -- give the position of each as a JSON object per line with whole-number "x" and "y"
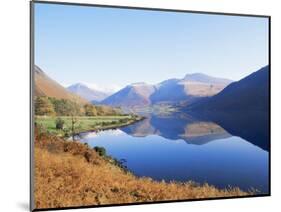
{"x": 218, "y": 151}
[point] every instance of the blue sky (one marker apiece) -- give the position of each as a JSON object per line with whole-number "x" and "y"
{"x": 115, "y": 47}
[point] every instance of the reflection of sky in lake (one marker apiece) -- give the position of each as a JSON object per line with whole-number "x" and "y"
{"x": 228, "y": 160}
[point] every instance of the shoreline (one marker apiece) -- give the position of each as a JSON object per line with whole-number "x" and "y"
{"x": 111, "y": 127}
{"x": 85, "y": 124}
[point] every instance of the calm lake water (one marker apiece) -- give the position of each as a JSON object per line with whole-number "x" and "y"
{"x": 222, "y": 150}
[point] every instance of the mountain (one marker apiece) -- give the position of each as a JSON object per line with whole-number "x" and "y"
{"x": 190, "y": 88}
{"x": 172, "y": 91}
{"x": 45, "y": 86}
{"x": 87, "y": 93}
{"x": 137, "y": 94}
{"x": 169, "y": 91}
{"x": 250, "y": 93}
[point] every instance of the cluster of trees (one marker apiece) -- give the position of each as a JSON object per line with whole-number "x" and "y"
{"x": 62, "y": 107}
{"x": 43, "y": 106}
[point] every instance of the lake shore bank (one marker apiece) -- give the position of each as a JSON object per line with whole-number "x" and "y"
{"x": 72, "y": 174}
{"x": 113, "y": 127}
{"x": 85, "y": 123}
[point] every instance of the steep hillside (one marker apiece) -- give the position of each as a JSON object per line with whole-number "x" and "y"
{"x": 137, "y": 94}
{"x": 250, "y": 93}
{"x": 45, "y": 86}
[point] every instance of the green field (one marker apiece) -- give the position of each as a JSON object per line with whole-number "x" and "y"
{"x": 85, "y": 123}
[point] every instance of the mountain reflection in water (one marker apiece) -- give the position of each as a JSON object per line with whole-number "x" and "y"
{"x": 201, "y": 128}
{"x": 220, "y": 149}
{"x": 177, "y": 127}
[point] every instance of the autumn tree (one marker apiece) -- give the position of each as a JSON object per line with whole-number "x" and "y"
{"x": 90, "y": 110}
{"x": 43, "y": 106}
{"x": 64, "y": 107}
{"x": 75, "y": 113}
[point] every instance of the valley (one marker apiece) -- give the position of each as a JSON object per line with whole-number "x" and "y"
{"x": 176, "y": 135}
{"x": 135, "y": 105}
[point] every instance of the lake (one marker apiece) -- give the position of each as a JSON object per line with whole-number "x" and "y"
{"x": 219, "y": 149}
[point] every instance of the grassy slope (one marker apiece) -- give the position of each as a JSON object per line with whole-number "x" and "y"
{"x": 72, "y": 174}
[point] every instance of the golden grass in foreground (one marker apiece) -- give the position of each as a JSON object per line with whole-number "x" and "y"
{"x": 71, "y": 174}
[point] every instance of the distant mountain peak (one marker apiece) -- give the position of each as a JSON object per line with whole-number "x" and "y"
{"x": 79, "y": 84}
{"x": 139, "y": 84}
{"x": 136, "y": 94}
{"x": 84, "y": 91}
{"x": 198, "y": 74}
{"x": 204, "y": 78}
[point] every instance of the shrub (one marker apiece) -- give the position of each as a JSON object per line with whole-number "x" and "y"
{"x": 123, "y": 121}
{"x": 114, "y": 122}
{"x": 59, "y": 124}
{"x": 121, "y": 164}
{"x": 66, "y": 132}
{"x": 104, "y": 123}
{"x": 100, "y": 150}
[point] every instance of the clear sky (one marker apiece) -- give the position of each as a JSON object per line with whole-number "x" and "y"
{"x": 115, "y": 47}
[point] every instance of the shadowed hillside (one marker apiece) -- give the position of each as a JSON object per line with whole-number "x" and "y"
{"x": 250, "y": 93}
{"x": 169, "y": 91}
